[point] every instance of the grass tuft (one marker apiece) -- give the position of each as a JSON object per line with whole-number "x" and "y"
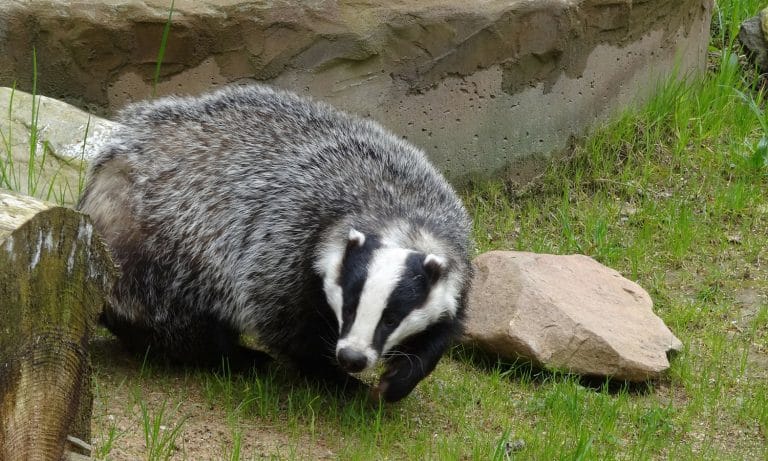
{"x": 39, "y": 174}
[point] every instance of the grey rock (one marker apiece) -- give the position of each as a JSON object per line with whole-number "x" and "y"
{"x": 566, "y": 313}
{"x": 486, "y": 87}
{"x": 753, "y": 40}
{"x": 65, "y": 139}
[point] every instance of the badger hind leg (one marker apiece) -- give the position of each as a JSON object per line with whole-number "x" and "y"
{"x": 200, "y": 341}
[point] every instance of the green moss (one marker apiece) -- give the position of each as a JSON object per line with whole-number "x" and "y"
{"x": 53, "y": 281}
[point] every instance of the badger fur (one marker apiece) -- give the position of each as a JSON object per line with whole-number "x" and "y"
{"x": 253, "y": 210}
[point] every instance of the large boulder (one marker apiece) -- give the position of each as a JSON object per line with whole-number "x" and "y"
{"x": 46, "y": 145}
{"x": 566, "y": 313}
{"x": 485, "y": 87}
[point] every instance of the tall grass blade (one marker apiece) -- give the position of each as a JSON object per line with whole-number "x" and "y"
{"x": 33, "y": 133}
{"x": 161, "y": 52}
{"x": 7, "y": 177}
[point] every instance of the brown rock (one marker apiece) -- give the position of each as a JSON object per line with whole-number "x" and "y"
{"x": 566, "y": 312}
{"x": 484, "y": 87}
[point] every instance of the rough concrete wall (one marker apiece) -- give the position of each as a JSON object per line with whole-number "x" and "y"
{"x": 479, "y": 85}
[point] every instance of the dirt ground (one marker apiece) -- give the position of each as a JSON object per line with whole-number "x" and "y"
{"x": 207, "y": 430}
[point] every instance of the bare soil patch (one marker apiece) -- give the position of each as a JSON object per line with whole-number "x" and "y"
{"x": 207, "y": 431}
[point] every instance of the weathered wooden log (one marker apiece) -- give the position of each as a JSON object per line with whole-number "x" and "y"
{"x": 54, "y": 277}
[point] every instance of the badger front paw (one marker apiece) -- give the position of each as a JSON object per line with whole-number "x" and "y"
{"x": 413, "y": 360}
{"x": 397, "y": 381}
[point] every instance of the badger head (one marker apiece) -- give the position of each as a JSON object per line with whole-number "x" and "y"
{"x": 383, "y": 294}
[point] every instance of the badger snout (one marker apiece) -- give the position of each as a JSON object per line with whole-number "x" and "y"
{"x": 351, "y": 360}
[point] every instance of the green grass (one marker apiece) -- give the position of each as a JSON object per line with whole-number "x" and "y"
{"x": 109, "y": 433}
{"x": 7, "y": 171}
{"x": 39, "y": 174}
{"x": 159, "y": 439}
{"x": 37, "y": 153}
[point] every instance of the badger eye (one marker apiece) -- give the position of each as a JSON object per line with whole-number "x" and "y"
{"x": 389, "y": 320}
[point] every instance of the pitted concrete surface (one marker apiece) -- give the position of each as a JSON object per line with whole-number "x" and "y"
{"x": 486, "y": 87}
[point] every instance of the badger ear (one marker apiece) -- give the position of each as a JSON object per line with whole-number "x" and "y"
{"x": 355, "y": 239}
{"x": 435, "y": 266}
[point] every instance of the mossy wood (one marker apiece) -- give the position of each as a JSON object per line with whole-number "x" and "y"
{"x": 54, "y": 276}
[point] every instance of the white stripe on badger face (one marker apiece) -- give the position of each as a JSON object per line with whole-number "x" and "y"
{"x": 328, "y": 265}
{"x": 384, "y": 272}
{"x": 442, "y": 300}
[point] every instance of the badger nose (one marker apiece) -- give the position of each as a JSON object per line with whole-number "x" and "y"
{"x": 351, "y": 360}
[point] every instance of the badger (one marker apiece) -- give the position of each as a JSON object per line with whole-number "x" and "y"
{"x": 252, "y": 210}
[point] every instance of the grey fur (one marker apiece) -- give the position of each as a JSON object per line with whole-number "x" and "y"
{"x": 217, "y": 208}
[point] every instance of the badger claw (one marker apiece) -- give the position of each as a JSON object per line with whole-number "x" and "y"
{"x": 376, "y": 393}
{"x": 395, "y": 384}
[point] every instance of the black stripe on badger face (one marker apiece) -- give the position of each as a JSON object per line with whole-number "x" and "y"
{"x": 352, "y": 276}
{"x": 385, "y": 303}
{"x": 410, "y": 293}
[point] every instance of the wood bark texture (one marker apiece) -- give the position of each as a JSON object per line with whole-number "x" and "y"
{"x": 54, "y": 277}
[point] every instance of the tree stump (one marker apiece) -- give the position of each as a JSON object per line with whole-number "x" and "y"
{"x": 54, "y": 277}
